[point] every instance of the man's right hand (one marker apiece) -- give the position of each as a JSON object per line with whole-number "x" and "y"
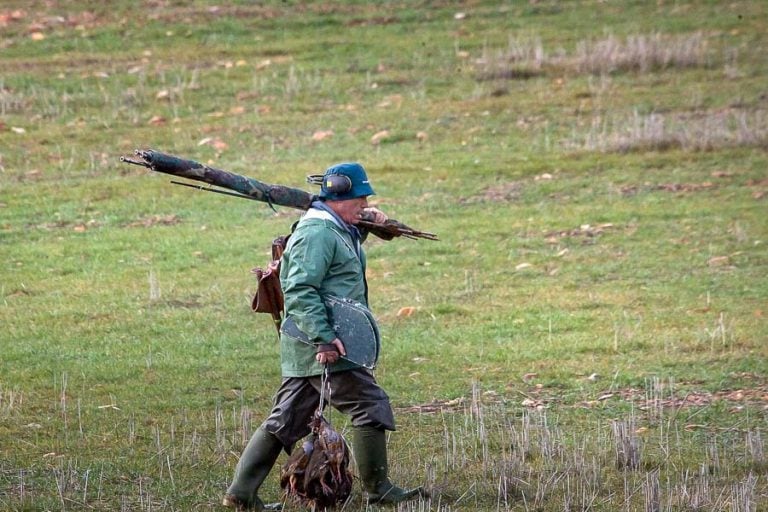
{"x": 330, "y": 352}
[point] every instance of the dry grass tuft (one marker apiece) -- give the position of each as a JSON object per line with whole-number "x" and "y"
{"x": 626, "y": 444}
{"x": 10, "y": 401}
{"x": 10, "y": 101}
{"x": 641, "y": 53}
{"x": 494, "y": 459}
{"x": 525, "y": 56}
{"x": 699, "y": 131}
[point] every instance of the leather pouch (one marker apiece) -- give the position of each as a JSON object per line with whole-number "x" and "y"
{"x": 269, "y": 294}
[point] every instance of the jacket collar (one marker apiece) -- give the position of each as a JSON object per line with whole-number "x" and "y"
{"x": 320, "y": 209}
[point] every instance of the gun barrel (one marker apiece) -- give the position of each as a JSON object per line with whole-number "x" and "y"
{"x": 254, "y": 189}
{"x": 250, "y": 188}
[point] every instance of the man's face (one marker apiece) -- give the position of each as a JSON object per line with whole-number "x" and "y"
{"x": 350, "y": 210}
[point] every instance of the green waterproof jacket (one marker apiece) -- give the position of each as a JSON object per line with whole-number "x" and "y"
{"x": 320, "y": 260}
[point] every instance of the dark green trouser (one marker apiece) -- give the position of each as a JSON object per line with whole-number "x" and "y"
{"x": 353, "y": 392}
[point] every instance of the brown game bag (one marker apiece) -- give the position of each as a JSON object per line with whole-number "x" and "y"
{"x": 269, "y": 294}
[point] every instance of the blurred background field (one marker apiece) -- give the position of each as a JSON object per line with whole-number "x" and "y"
{"x": 588, "y": 334}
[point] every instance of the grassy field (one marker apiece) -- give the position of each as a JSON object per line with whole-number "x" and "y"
{"x": 589, "y": 333}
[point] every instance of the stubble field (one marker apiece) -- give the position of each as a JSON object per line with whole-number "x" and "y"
{"x": 588, "y": 334}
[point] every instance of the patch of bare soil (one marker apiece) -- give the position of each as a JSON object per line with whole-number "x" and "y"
{"x": 737, "y": 399}
{"x": 155, "y": 220}
{"x": 77, "y": 226}
{"x": 509, "y": 74}
{"x": 630, "y": 190}
{"x": 760, "y": 186}
{"x": 539, "y": 397}
{"x": 461, "y": 403}
{"x": 583, "y": 231}
{"x": 173, "y": 12}
{"x": 375, "y": 20}
{"x": 501, "y": 193}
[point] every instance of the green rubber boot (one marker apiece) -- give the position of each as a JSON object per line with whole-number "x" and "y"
{"x": 252, "y": 469}
{"x": 369, "y": 446}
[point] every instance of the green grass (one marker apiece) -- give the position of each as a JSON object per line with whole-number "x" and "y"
{"x": 597, "y": 287}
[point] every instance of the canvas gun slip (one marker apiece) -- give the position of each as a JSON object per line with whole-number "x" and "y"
{"x": 249, "y": 188}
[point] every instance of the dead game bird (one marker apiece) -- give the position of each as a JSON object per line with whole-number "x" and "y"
{"x": 292, "y": 472}
{"x": 317, "y": 474}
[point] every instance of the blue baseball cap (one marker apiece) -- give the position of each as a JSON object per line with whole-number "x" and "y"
{"x": 345, "y": 181}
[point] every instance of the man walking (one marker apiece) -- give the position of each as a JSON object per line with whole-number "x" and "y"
{"x": 323, "y": 258}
